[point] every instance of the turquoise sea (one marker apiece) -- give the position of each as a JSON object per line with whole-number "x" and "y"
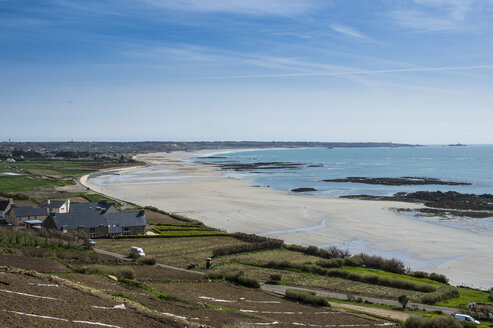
{"x": 473, "y": 164}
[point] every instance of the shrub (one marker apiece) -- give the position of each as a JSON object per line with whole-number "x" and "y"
{"x": 147, "y": 260}
{"x": 441, "y": 294}
{"x": 214, "y": 275}
{"x": 329, "y": 253}
{"x": 332, "y": 263}
{"x": 124, "y": 272}
{"x": 432, "y": 276}
{"x": 377, "y": 262}
{"x": 438, "y": 322}
{"x": 248, "y": 281}
{"x": 490, "y": 296}
{"x": 438, "y": 277}
{"x": 237, "y": 277}
{"x": 306, "y": 297}
{"x": 276, "y": 277}
{"x": 403, "y": 299}
{"x": 267, "y": 244}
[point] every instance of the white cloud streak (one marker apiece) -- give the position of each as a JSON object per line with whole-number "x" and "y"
{"x": 350, "y": 73}
{"x": 348, "y": 31}
{"x": 436, "y": 15}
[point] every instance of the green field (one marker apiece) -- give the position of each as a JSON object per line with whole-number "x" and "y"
{"x": 46, "y": 174}
{"x": 24, "y": 183}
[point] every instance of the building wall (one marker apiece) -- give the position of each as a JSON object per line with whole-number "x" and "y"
{"x": 11, "y": 218}
{"x": 99, "y": 232}
{"x": 138, "y": 230}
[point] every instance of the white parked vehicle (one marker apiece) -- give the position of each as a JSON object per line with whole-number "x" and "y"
{"x": 136, "y": 252}
{"x": 466, "y": 318}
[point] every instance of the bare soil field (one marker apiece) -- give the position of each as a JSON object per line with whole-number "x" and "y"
{"x": 160, "y": 274}
{"x": 266, "y": 307}
{"x": 30, "y": 263}
{"x": 33, "y": 300}
{"x": 156, "y": 217}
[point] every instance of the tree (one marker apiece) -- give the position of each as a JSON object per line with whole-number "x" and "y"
{"x": 403, "y": 299}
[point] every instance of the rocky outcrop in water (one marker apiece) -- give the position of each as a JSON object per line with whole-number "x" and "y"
{"x": 436, "y": 199}
{"x": 402, "y": 181}
{"x": 303, "y": 189}
{"x": 256, "y": 166}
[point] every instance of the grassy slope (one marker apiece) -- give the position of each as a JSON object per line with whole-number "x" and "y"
{"x": 45, "y": 174}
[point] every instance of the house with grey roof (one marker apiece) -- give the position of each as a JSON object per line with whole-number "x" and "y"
{"x": 18, "y": 215}
{"x": 5, "y": 207}
{"x": 56, "y": 206}
{"x": 98, "y": 220}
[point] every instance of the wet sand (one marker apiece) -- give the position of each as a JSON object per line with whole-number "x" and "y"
{"x": 172, "y": 183}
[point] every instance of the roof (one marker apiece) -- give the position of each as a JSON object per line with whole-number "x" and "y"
{"x": 74, "y": 219}
{"x": 29, "y": 211}
{"x": 116, "y": 221}
{"x": 93, "y": 206}
{"x": 4, "y": 204}
{"x": 53, "y": 203}
{"x": 90, "y": 218}
{"x": 33, "y": 222}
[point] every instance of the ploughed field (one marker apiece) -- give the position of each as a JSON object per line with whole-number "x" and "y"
{"x": 33, "y": 300}
{"x": 30, "y": 299}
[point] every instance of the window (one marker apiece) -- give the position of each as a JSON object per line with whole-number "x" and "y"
{"x": 80, "y": 228}
{"x": 92, "y": 235}
{"x": 127, "y": 231}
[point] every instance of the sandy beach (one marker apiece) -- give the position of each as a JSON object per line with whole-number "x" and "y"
{"x": 172, "y": 183}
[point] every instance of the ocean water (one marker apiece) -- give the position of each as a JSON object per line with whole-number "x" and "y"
{"x": 473, "y": 164}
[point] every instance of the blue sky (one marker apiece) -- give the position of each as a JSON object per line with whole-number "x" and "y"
{"x": 417, "y": 71}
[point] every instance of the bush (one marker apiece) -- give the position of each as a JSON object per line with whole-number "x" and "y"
{"x": 147, "y": 260}
{"x": 441, "y": 294}
{"x": 214, "y": 275}
{"x": 329, "y": 253}
{"x": 237, "y": 277}
{"x": 307, "y": 297}
{"x": 403, "y": 300}
{"x": 377, "y": 262}
{"x": 332, "y": 263}
{"x": 438, "y": 277}
{"x": 432, "y": 276}
{"x": 248, "y": 281}
{"x": 438, "y": 322}
{"x": 124, "y": 272}
{"x": 267, "y": 244}
{"x": 276, "y": 277}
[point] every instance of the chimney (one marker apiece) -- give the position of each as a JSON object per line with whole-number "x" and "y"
{"x": 48, "y": 202}
{"x": 141, "y": 212}
{"x": 68, "y": 205}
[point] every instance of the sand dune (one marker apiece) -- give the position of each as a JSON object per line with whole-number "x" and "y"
{"x": 200, "y": 192}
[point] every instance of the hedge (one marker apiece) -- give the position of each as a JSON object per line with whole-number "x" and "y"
{"x": 203, "y": 234}
{"x": 441, "y": 294}
{"x": 370, "y": 279}
{"x": 307, "y": 297}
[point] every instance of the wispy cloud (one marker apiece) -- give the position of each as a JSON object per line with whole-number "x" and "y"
{"x": 249, "y": 7}
{"x": 434, "y": 15}
{"x": 418, "y": 20}
{"x": 351, "y": 73}
{"x": 348, "y": 31}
